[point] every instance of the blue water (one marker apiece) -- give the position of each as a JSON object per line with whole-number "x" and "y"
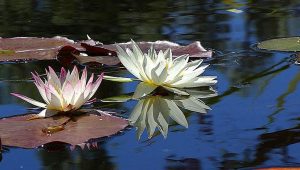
{"x": 254, "y": 122}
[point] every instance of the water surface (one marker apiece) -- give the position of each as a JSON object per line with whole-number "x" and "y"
{"x": 254, "y": 122}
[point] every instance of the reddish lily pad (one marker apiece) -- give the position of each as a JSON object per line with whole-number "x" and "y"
{"x": 26, "y": 48}
{"x": 67, "y": 51}
{"x": 106, "y": 54}
{"x": 67, "y": 55}
{"x": 18, "y": 131}
{"x": 194, "y": 49}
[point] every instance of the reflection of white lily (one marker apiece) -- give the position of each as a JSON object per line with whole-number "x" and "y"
{"x": 160, "y": 69}
{"x": 64, "y": 93}
{"x": 157, "y": 111}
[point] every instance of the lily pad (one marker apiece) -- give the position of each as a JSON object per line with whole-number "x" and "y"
{"x": 26, "y": 48}
{"x": 290, "y": 44}
{"x": 18, "y": 131}
{"x": 68, "y": 55}
{"x": 69, "y": 52}
{"x": 194, "y": 49}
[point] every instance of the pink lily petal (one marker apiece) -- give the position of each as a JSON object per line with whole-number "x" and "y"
{"x": 68, "y": 92}
{"x": 96, "y": 85}
{"x": 37, "y": 79}
{"x": 42, "y": 92}
{"x": 63, "y": 75}
{"x": 77, "y": 91}
{"x": 91, "y": 79}
{"x": 29, "y": 100}
{"x": 84, "y": 77}
{"x": 74, "y": 76}
{"x": 88, "y": 90}
{"x": 54, "y": 78}
{"x": 53, "y": 90}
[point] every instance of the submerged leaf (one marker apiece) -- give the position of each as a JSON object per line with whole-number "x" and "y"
{"x": 20, "y": 132}
{"x": 290, "y": 44}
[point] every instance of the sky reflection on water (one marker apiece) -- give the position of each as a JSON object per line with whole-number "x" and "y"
{"x": 254, "y": 119}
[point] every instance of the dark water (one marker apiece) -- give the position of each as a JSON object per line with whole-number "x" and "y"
{"x": 254, "y": 122}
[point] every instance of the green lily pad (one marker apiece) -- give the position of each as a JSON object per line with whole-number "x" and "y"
{"x": 289, "y": 44}
{"x": 7, "y": 52}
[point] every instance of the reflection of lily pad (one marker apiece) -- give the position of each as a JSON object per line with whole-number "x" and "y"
{"x": 20, "y": 132}
{"x": 290, "y": 44}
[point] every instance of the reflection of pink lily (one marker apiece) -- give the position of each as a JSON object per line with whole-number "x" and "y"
{"x": 64, "y": 93}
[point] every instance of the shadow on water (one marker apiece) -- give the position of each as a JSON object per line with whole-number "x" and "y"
{"x": 91, "y": 157}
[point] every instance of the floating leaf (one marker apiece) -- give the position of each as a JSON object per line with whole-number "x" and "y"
{"x": 20, "y": 132}
{"x": 98, "y": 50}
{"x": 290, "y": 44}
{"x": 31, "y": 48}
{"x": 233, "y": 10}
{"x": 67, "y": 55}
{"x": 119, "y": 79}
{"x": 67, "y": 51}
{"x": 121, "y": 98}
{"x": 194, "y": 49}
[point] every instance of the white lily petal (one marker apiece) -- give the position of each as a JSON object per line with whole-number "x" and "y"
{"x": 47, "y": 113}
{"x": 197, "y": 82}
{"x": 143, "y": 89}
{"x": 187, "y": 76}
{"x": 29, "y": 100}
{"x": 79, "y": 102}
{"x": 127, "y": 62}
{"x": 96, "y": 85}
{"x": 55, "y": 104}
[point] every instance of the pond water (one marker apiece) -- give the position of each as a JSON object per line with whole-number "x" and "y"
{"x": 253, "y": 122}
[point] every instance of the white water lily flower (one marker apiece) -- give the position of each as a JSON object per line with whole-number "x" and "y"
{"x": 63, "y": 93}
{"x": 160, "y": 69}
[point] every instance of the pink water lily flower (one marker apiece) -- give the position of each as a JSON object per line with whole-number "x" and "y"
{"x": 63, "y": 93}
